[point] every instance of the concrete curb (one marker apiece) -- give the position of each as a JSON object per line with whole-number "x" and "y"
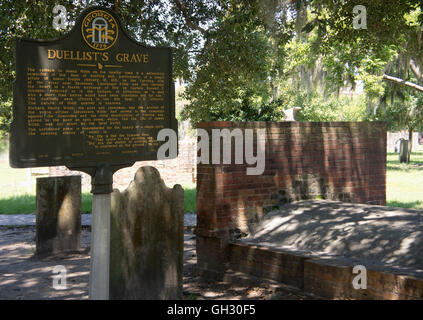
{"x": 190, "y": 219}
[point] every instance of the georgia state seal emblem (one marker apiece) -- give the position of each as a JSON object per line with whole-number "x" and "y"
{"x": 99, "y": 30}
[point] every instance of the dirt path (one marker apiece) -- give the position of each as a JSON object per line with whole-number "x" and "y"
{"x": 24, "y": 277}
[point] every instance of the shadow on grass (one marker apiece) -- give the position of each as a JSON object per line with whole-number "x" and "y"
{"x": 416, "y": 158}
{"x": 403, "y": 167}
{"x": 418, "y": 205}
{"x": 416, "y": 162}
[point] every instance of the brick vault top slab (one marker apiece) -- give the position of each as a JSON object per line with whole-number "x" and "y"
{"x": 381, "y": 238}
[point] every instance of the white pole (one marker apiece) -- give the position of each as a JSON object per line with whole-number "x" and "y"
{"x": 100, "y": 247}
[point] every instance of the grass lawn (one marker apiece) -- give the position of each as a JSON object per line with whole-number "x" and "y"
{"x": 25, "y": 203}
{"x": 404, "y": 182}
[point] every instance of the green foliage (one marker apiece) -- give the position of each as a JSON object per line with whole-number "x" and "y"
{"x": 5, "y": 116}
{"x": 250, "y": 59}
{"x": 235, "y": 78}
{"x": 386, "y": 24}
{"x": 392, "y": 39}
{"x": 318, "y": 108}
{"x": 228, "y": 52}
{"x": 405, "y": 113}
{"x": 23, "y": 19}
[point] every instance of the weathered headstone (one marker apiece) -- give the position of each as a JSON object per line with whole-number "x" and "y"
{"x": 146, "y": 255}
{"x": 58, "y": 215}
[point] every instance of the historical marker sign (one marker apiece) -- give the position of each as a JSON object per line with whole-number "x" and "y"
{"x": 93, "y": 96}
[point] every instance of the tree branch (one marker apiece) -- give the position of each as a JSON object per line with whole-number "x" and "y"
{"x": 116, "y": 5}
{"x": 188, "y": 18}
{"x": 416, "y": 70}
{"x": 403, "y": 82}
{"x": 193, "y": 26}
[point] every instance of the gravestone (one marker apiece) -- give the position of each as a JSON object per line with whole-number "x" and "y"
{"x": 403, "y": 153}
{"x": 58, "y": 215}
{"x": 146, "y": 247}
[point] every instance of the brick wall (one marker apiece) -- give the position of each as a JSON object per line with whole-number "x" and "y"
{"x": 333, "y": 160}
{"x": 181, "y": 170}
{"x": 329, "y": 278}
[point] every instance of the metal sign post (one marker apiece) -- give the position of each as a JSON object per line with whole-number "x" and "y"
{"x": 102, "y": 181}
{"x": 100, "y": 247}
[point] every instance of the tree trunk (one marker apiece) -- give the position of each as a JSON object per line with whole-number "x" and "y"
{"x": 116, "y": 6}
{"x": 410, "y": 143}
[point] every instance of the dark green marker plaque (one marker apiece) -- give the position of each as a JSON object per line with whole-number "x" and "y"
{"x": 94, "y": 96}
